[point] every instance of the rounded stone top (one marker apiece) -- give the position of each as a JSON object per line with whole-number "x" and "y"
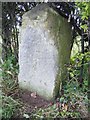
{"x": 37, "y": 11}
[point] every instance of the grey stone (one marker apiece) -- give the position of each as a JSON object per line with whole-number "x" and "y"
{"x": 44, "y": 49}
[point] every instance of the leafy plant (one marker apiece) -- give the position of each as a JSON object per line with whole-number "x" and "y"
{"x": 9, "y": 75}
{"x": 9, "y": 107}
{"x": 84, "y": 9}
{"x": 75, "y": 68}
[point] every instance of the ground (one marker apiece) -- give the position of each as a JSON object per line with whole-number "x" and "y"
{"x": 30, "y": 102}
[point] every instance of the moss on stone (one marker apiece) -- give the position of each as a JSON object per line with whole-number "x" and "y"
{"x": 61, "y": 31}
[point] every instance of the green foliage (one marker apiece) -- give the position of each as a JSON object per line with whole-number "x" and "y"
{"x": 9, "y": 107}
{"x": 84, "y": 12}
{"x": 9, "y": 75}
{"x": 75, "y": 68}
{"x": 84, "y": 9}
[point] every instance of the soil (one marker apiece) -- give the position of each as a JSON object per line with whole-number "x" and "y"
{"x": 31, "y": 103}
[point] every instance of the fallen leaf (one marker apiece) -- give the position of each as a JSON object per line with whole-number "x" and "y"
{"x": 34, "y": 94}
{"x": 35, "y": 107}
{"x": 66, "y": 107}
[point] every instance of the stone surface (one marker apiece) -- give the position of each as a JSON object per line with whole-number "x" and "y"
{"x": 45, "y": 40}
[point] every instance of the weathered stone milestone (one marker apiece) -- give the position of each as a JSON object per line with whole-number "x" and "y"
{"x": 44, "y": 49}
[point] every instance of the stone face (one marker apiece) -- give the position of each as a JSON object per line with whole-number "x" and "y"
{"x": 45, "y": 40}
